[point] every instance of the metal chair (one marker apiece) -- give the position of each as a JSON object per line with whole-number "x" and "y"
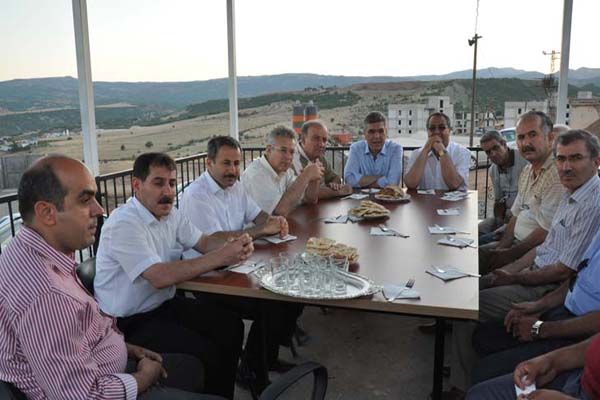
{"x": 9, "y": 392}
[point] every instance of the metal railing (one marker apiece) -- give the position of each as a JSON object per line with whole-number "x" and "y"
{"x": 115, "y": 188}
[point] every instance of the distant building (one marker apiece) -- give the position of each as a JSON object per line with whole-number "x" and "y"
{"x": 483, "y": 120}
{"x": 514, "y": 109}
{"x": 585, "y": 112}
{"x": 412, "y": 118}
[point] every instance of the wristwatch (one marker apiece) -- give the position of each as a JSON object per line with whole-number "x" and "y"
{"x": 535, "y": 329}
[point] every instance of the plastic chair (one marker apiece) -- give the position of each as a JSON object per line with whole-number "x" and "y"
{"x": 86, "y": 271}
{"x": 281, "y": 385}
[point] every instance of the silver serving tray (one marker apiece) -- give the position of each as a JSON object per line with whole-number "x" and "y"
{"x": 356, "y": 286}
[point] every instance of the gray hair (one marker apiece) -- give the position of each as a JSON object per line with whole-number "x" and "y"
{"x": 592, "y": 143}
{"x": 280, "y": 131}
{"x": 492, "y": 135}
{"x": 374, "y": 117}
{"x": 546, "y": 124}
{"x": 560, "y": 128}
{"x": 311, "y": 124}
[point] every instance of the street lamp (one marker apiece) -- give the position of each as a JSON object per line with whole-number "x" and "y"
{"x": 473, "y": 41}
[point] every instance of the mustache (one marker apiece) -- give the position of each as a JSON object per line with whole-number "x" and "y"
{"x": 567, "y": 173}
{"x": 528, "y": 148}
{"x": 165, "y": 200}
{"x": 232, "y": 176}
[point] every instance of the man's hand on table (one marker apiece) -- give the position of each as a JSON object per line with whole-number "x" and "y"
{"x": 344, "y": 190}
{"x": 276, "y": 224}
{"x": 236, "y": 249}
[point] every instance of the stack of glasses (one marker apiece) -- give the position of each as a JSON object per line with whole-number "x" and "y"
{"x": 309, "y": 275}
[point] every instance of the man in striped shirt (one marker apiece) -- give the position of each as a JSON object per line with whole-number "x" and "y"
{"x": 573, "y": 227}
{"x": 54, "y": 341}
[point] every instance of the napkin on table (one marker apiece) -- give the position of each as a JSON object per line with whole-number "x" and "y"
{"x": 400, "y": 292}
{"x": 246, "y": 267}
{"x": 356, "y": 196}
{"x": 340, "y": 219}
{"x": 449, "y": 273}
{"x": 275, "y": 239}
{"x": 448, "y": 211}
{"x": 377, "y": 231}
{"x": 426, "y": 191}
{"x": 456, "y": 242}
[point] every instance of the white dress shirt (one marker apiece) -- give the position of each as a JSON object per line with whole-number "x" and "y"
{"x": 432, "y": 174}
{"x": 131, "y": 241}
{"x": 264, "y": 185}
{"x": 211, "y": 208}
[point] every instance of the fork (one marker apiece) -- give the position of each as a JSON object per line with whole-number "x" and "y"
{"x": 409, "y": 285}
{"x": 441, "y": 271}
{"x": 395, "y": 232}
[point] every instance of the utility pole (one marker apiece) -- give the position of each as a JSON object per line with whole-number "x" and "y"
{"x": 473, "y": 41}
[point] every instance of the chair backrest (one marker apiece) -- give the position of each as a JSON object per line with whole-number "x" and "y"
{"x": 9, "y": 392}
{"x": 87, "y": 272}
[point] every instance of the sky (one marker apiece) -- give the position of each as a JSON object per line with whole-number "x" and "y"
{"x": 184, "y": 40}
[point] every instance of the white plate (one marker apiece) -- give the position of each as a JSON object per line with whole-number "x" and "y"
{"x": 356, "y": 286}
{"x": 404, "y": 199}
{"x": 371, "y": 190}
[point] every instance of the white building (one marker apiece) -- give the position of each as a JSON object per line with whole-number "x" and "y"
{"x": 514, "y": 109}
{"x": 462, "y": 122}
{"x": 412, "y": 118}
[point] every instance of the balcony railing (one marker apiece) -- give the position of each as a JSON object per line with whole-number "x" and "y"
{"x": 115, "y": 188}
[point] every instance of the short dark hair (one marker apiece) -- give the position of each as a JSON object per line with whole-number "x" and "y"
{"x": 546, "y": 124}
{"x": 592, "y": 143}
{"x": 310, "y": 124}
{"x": 492, "y": 135}
{"x": 374, "y": 117}
{"x": 439, "y": 114}
{"x": 40, "y": 183}
{"x": 142, "y": 164}
{"x": 217, "y": 142}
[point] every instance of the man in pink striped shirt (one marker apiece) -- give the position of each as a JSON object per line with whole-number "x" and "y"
{"x": 54, "y": 341}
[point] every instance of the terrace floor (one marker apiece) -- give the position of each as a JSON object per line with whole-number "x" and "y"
{"x": 367, "y": 355}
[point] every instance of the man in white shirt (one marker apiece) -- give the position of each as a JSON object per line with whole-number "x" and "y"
{"x": 217, "y": 204}
{"x": 310, "y": 148}
{"x": 138, "y": 265}
{"x": 440, "y": 164}
{"x": 271, "y": 181}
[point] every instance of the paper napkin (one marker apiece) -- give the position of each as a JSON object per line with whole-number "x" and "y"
{"x": 356, "y": 196}
{"x": 246, "y": 267}
{"x": 428, "y": 191}
{"x": 448, "y": 211}
{"x": 456, "y": 242}
{"x": 340, "y": 219}
{"x": 275, "y": 239}
{"x": 400, "y": 292}
{"x": 449, "y": 273}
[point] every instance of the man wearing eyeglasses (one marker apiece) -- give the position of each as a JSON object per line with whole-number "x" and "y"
{"x": 440, "y": 164}
{"x": 271, "y": 181}
{"x": 525, "y": 281}
{"x": 374, "y": 162}
{"x": 506, "y": 168}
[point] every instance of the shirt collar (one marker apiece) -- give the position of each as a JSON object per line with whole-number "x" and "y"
{"x": 381, "y": 152}
{"x": 65, "y": 263}
{"x": 147, "y": 217}
{"x": 581, "y": 192}
{"x": 548, "y": 163}
{"x": 302, "y": 152}
{"x": 213, "y": 186}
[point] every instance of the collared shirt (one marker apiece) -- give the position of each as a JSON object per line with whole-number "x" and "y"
{"x": 585, "y": 296}
{"x": 387, "y": 164}
{"x": 506, "y": 180}
{"x": 54, "y": 341}
{"x": 131, "y": 241}
{"x": 432, "y": 174}
{"x": 301, "y": 160}
{"x": 214, "y": 209}
{"x": 265, "y": 185}
{"x": 575, "y": 223}
{"x": 537, "y": 199}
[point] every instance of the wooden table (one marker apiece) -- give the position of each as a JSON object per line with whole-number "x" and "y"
{"x": 383, "y": 259}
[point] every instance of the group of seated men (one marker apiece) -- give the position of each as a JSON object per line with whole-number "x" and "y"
{"x": 60, "y": 342}
{"x": 538, "y": 265}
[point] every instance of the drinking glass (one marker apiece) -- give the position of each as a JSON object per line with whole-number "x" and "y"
{"x": 279, "y": 272}
{"x": 339, "y": 265}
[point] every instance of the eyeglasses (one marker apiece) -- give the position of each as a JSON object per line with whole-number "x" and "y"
{"x": 284, "y": 150}
{"x": 438, "y": 127}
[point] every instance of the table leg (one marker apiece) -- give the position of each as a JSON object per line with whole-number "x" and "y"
{"x": 438, "y": 360}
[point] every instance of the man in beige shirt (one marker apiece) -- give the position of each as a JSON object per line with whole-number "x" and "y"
{"x": 537, "y": 199}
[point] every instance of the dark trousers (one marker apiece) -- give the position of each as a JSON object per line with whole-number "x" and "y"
{"x": 500, "y": 352}
{"x": 182, "y": 383}
{"x": 277, "y": 318}
{"x": 211, "y": 334}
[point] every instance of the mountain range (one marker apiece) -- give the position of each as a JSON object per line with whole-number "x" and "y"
{"x": 20, "y": 95}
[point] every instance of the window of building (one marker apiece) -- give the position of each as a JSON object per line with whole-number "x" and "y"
{"x": 400, "y": 131}
{"x": 518, "y": 111}
{"x": 409, "y": 131}
{"x": 409, "y": 112}
{"x": 399, "y": 122}
{"x": 410, "y": 122}
{"x": 441, "y": 103}
{"x": 567, "y": 115}
{"x": 399, "y": 113}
